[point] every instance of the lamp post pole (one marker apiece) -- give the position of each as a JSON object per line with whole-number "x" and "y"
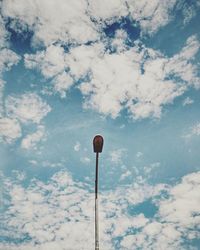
{"x": 96, "y": 205}
{"x": 98, "y": 146}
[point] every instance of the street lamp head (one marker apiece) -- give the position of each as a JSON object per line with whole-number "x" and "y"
{"x": 98, "y": 143}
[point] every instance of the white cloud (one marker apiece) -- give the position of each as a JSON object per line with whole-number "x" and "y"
{"x": 125, "y": 175}
{"x": 104, "y": 10}
{"x": 193, "y": 131}
{"x": 137, "y": 79}
{"x": 53, "y": 21}
{"x": 151, "y": 16}
{"x": 77, "y": 146}
{"x": 62, "y": 83}
{"x": 10, "y": 129}
{"x": 187, "y": 101}
{"x": 117, "y": 155}
{"x": 8, "y": 58}
{"x": 3, "y": 34}
{"x": 189, "y": 10}
{"x": 117, "y": 80}
{"x": 182, "y": 207}
{"x": 52, "y": 64}
{"x": 119, "y": 40}
{"x": 58, "y": 21}
{"x": 117, "y": 83}
{"x": 85, "y": 160}
{"x": 30, "y": 141}
{"x": 57, "y": 213}
{"x": 124, "y": 80}
{"x": 181, "y": 64}
{"x": 139, "y": 154}
{"x": 27, "y": 107}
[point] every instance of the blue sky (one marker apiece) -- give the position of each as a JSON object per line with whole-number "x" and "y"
{"x": 128, "y": 70}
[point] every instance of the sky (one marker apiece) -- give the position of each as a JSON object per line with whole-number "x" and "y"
{"x": 125, "y": 69}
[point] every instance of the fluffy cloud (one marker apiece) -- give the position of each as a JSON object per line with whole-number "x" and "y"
{"x": 31, "y": 140}
{"x": 58, "y": 21}
{"x": 53, "y": 21}
{"x": 138, "y": 79}
{"x": 3, "y": 33}
{"x": 52, "y": 65}
{"x": 181, "y": 65}
{"x": 22, "y": 110}
{"x": 151, "y": 16}
{"x": 27, "y": 107}
{"x": 8, "y": 58}
{"x": 141, "y": 81}
{"x": 59, "y": 215}
{"x": 10, "y": 129}
{"x": 117, "y": 155}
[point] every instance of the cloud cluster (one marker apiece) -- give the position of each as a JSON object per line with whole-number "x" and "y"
{"x": 31, "y": 140}
{"x": 59, "y": 215}
{"x": 138, "y": 79}
{"x": 8, "y": 58}
{"x": 81, "y": 22}
{"x": 53, "y": 21}
{"x": 52, "y": 64}
{"x": 21, "y": 110}
{"x": 142, "y": 81}
{"x": 27, "y": 107}
{"x": 10, "y": 129}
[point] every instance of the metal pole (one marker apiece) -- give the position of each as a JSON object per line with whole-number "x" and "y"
{"x": 96, "y": 206}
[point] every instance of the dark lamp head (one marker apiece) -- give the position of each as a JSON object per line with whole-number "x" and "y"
{"x": 98, "y": 143}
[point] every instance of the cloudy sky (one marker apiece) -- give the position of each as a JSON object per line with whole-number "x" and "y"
{"x": 126, "y": 69}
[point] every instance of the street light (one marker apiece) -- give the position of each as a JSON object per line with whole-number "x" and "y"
{"x": 98, "y": 146}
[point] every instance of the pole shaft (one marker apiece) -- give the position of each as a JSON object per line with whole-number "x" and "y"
{"x": 96, "y": 205}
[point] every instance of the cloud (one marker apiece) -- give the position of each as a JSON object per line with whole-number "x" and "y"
{"x": 125, "y": 175}
{"x": 20, "y": 110}
{"x": 134, "y": 78}
{"x": 130, "y": 81}
{"x": 188, "y": 11}
{"x": 82, "y": 22}
{"x": 181, "y": 65}
{"x": 53, "y": 21}
{"x": 85, "y": 160}
{"x": 193, "y": 131}
{"x": 56, "y": 215}
{"x": 3, "y": 34}
{"x": 28, "y": 107}
{"x": 138, "y": 79}
{"x": 8, "y": 58}
{"x": 62, "y": 83}
{"x": 52, "y": 65}
{"x": 187, "y": 101}
{"x": 117, "y": 155}
{"x": 30, "y": 141}
{"x": 10, "y": 129}
{"x": 151, "y": 16}
{"x": 77, "y": 146}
